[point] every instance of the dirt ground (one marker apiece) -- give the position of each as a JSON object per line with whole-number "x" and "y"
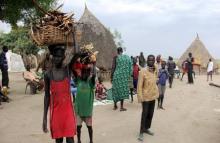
{"x": 192, "y": 115}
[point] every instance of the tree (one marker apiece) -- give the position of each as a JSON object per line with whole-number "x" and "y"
{"x": 1, "y": 32}
{"x": 12, "y": 11}
{"x": 118, "y": 39}
{"x": 18, "y": 41}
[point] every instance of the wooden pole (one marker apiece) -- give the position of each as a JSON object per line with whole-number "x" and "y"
{"x": 40, "y": 8}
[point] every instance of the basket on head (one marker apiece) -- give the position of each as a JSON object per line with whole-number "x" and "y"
{"x": 49, "y": 35}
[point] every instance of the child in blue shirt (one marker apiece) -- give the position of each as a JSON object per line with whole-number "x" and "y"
{"x": 163, "y": 75}
{"x": 73, "y": 89}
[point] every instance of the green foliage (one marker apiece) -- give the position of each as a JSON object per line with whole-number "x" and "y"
{"x": 118, "y": 39}
{"x": 12, "y": 11}
{"x": 19, "y": 41}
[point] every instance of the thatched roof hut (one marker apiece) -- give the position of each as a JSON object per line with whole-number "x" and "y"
{"x": 200, "y": 53}
{"x": 93, "y": 31}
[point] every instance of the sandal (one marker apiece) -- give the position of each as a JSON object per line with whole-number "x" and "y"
{"x": 123, "y": 109}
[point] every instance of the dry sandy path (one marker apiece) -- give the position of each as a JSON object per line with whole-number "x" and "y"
{"x": 192, "y": 115}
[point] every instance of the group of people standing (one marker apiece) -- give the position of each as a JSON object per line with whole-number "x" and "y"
{"x": 58, "y": 96}
{"x": 148, "y": 78}
{"x": 188, "y": 68}
{"x": 153, "y": 74}
{"x": 149, "y": 81}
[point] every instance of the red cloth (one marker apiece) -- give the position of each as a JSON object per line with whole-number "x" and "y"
{"x": 62, "y": 116}
{"x": 77, "y": 65}
{"x": 100, "y": 94}
{"x": 135, "y": 71}
{"x": 185, "y": 67}
{"x": 100, "y": 88}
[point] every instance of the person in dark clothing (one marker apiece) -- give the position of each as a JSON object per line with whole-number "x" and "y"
{"x": 142, "y": 61}
{"x": 171, "y": 65}
{"x": 4, "y": 67}
{"x": 190, "y": 61}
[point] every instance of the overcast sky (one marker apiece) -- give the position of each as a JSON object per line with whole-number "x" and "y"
{"x": 164, "y": 27}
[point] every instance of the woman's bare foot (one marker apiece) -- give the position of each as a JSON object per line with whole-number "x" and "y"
{"x": 115, "y": 108}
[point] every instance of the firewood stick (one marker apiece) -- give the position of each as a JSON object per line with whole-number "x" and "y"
{"x": 69, "y": 16}
{"x": 59, "y": 7}
{"x": 212, "y": 84}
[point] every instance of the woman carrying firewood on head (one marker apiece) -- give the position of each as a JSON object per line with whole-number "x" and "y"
{"x": 57, "y": 30}
{"x": 58, "y": 98}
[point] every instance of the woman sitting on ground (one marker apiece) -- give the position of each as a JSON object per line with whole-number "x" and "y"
{"x": 29, "y": 75}
{"x": 36, "y": 81}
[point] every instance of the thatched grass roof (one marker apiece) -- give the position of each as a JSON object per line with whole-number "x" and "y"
{"x": 200, "y": 53}
{"x": 93, "y": 31}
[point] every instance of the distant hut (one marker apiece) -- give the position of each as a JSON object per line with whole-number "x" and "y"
{"x": 93, "y": 31}
{"x": 200, "y": 53}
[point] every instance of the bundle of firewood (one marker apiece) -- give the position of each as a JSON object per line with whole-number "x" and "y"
{"x": 58, "y": 19}
{"x": 89, "y": 56}
{"x": 55, "y": 27}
